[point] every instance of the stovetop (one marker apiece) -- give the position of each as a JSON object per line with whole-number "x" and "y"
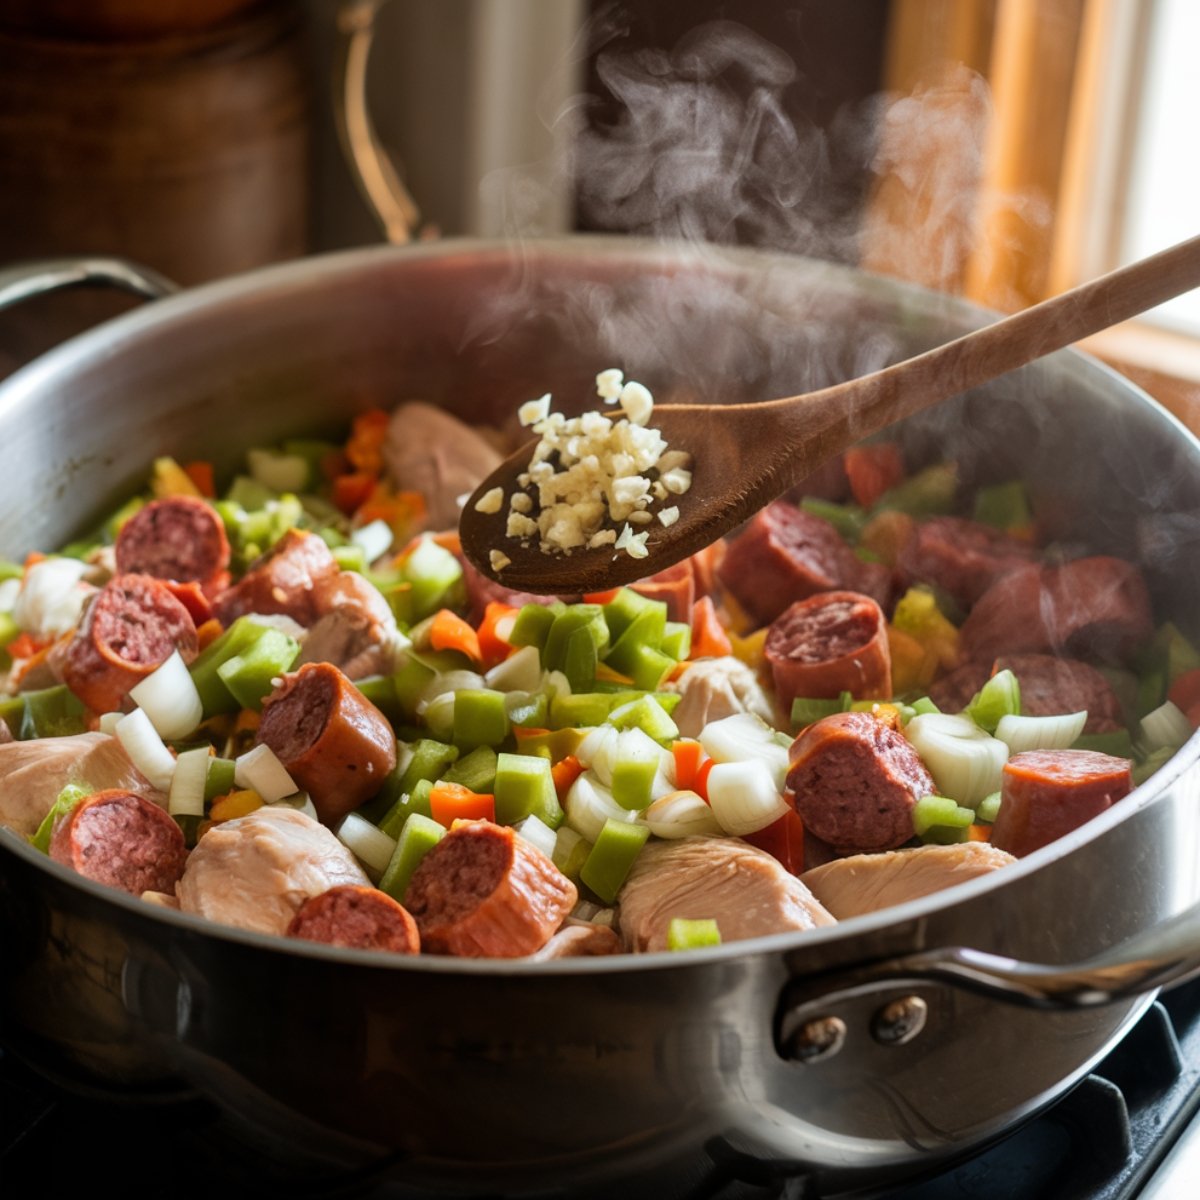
{"x": 1129, "y": 1130}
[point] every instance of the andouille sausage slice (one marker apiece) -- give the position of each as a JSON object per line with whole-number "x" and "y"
{"x": 856, "y": 781}
{"x": 960, "y": 557}
{"x": 1047, "y": 793}
{"x": 123, "y": 840}
{"x": 179, "y": 538}
{"x": 484, "y": 892}
{"x": 131, "y": 627}
{"x": 1052, "y": 685}
{"x": 1094, "y": 608}
{"x": 362, "y": 918}
{"x": 831, "y": 643}
{"x": 285, "y": 580}
{"x": 333, "y": 741}
{"x": 786, "y": 554}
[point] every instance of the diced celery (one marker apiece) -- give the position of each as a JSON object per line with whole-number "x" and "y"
{"x": 219, "y": 778}
{"x": 633, "y": 775}
{"x": 1003, "y": 505}
{"x": 380, "y": 690}
{"x": 999, "y": 697}
{"x": 248, "y": 676}
{"x": 1152, "y": 691}
{"x": 644, "y": 632}
{"x": 280, "y": 472}
{"x": 1118, "y": 743}
{"x": 436, "y": 577}
{"x": 677, "y": 640}
{"x": 608, "y": 864}
{"x": 650, "y": 668}
{"x": 807, "y": 712}
{"x": 235, "y": 641}
{"x": 576, "y": 618}
{"x": 70, "y": 796}
{"x": 350, "y": 558}
{"x": 430, "y": 760}
{"x": 689, "y": 934}
{"x": 417, "y": 801}
{"x": 924, "y": 705}
{"x": 625, "y": 608}
{"x": 932, "y": 811}
{"x": 52, "y": 712}
{"x": 419, "y": 835}
{"x": 408, "y": 682}
{"x": 945, "y": 835}
{"x": 12, "y": 713}
{"x": 847, "y": 519}
{"x": 524, "y": 787}
{"x": 249, "y": 493}
{"x": 531, "y": 626}
{"x": 644, "y": 714}
{"x": 480, "y": 718}
{"x": 579, "y": 660}
{"x": 476, "y": 771}
{"x": 579, "y": 710}
{"x": 530, "y": 710}
{"x": 989, "y": 808}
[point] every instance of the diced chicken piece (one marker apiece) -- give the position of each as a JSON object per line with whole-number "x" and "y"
{"x": 746, "y": 891}
{"x": 256, "y": 871}
{"x": 863, "y": 883}
{"x": 32, "y": 773}
{"x": 714, "y": 688}
{"x": 356, "y": 630}
{"x": 429, "y": 451}
{"x": 580, "y": 939}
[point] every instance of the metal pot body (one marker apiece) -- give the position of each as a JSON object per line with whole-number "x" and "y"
{"x": 571, "y": 1077}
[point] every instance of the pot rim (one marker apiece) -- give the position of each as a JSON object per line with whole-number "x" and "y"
{"x": 124, "y": 332}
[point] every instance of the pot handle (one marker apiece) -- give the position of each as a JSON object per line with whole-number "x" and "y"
{"x": 25, "y": 280}
{"x": 807, "y": 1024}
{"x": 374, "y": 172}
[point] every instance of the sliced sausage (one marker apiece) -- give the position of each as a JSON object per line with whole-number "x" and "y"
{"x": 333, "y": 741}
{"x": 856, "y": 782}
{"x": 746, "y": 891}
{"x": 961, "y": 558}
{"x": 484, "y": 892}
{"x": 180, "y": 538}
{"x": 131, "y": 627}
{"x": 786, "y": 554}
{"x": 122, "y": 840}
{"x": 284, "y": 580}
{"x": 954, "y": 691}
{"x": 1092, "y": 608}
{"x": 1050, "y": 686}
{"x": 1047, "y": 793}
{"x": 363, "y": 918}
{"x": 830, "y": 643}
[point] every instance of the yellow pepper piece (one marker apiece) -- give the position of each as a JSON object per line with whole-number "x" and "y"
{"x": 234, "y": 804}
{"x": 917, "y": 614}
{"x": 749, "y": 649}
{"x": 170, "y": 479}
{"x": 606, "y": 674}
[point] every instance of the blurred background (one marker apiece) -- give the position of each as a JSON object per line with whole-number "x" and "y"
{"x": 1001, "y": 149}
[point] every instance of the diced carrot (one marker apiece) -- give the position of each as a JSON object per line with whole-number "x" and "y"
{"x": 26, "y": 645}
{"x": 564, "y": 773}
{"x": 873, "y": 470}
{"x": 448, "y": 631}
{"x": 782, "y": 839}
{"x": 494, "y": 646}
{"x": 689, "y": 754}
{"x": 401, "y": 511}
{"x": 709, "y": 639}
{"x": 448, "y": 539}
{"x": 700, "y": 785}
{"x": 208, "y": 633}
{"x": 1185, "y": 691}
{"x": 605, "y": 674}
{"x": 364, "y": 448}
{"x": 979, "y": 833}
{"x": 234, "y": 804}
{"x": 33, "y": 558}
{"x": 352, "y": 491}
{"x": 449, "y": 802}
{"x": 605, "y": 597}
{"x": 201, "y": 474}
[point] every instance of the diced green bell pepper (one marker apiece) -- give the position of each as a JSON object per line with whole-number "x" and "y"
{"x": 606, "y": 867}
{"x": 419, "y": 835}
{"x": 248, "y": 676}
{"x": 524, "y": 787}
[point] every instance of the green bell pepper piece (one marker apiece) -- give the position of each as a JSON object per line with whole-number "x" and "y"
{"x": 611, "y": 857}
{"x": 419, "y": 835}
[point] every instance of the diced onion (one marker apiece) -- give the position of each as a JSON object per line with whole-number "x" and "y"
{"x": 300, "y": 802}
{"x": 374, "y": 539}
{"x": 51, "y": 596}
{"x": 598, "y": 750}
{"x": 439, "y": 716}
{"x": 746, "y": 738}
{"x": 262, "y": 772}
{"x": 966, "y": 763}
{"x": 681, "y": 814}
{"x": 744, "y": 797}
{"x": 107, "y": 722}
{"x": 519, "y": 672}
{"x": 1057, "y": 732}
{"x": 566, "y": 840}
{"x": 10, "y": 589}
{"x": 589, "y": 804}
{"x": 145, "y": 748}
{"x": 537, "y": 833}
{"x": 444, "y": 682}
{"x": 369, "y": 844}
{"x": 1165, "y": 728}
{"x": 186, "y": 797}
{"x": 169, "y": 698}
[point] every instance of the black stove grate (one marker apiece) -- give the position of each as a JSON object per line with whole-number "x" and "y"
{"x": 1103, "y": 1141}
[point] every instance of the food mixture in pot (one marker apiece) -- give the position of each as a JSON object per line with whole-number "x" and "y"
{"x": 292, "y": 707}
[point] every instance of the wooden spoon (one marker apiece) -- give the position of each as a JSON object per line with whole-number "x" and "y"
{"x": 745, "y": 455}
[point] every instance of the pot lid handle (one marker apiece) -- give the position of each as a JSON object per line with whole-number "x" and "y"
{"x": 23, "y": 281}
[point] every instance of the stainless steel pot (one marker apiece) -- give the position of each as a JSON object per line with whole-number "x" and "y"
{"x": 869, "y": 1050}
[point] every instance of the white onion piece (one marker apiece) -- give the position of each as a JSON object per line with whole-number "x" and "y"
{"x": 279, "y": 472}
{"x": 589, "y": 804}
{"x": 1166, "y": 728}
{"x": 1041, "y": 733}
{"x": 743, "y": 797}
{"x": 374, "y": 539}
{"x": 565, "y": 841}
{"x": 169, "y": 698}
{"x": 519, "y": 672}
{"x": 598, "y": 750}
{"x": 186, "y": 797}
{"x": 681, "y": 814}
{"x": 537, "y": 833}
{"x": 966, "y": 763}
{"x": 10, "y": 589}
{"x": 443, "y": 682}
{"x": 300, "y": 802}
{"x": 51, "y": 596}
{"x": 369, "y": 844}
{"x": 145, "y": 748}
{"x": 107, "y": 722}
{"x": 262, "y": 772}
{"x": 439, "y": 716}
{"x": 746, "y": 738}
